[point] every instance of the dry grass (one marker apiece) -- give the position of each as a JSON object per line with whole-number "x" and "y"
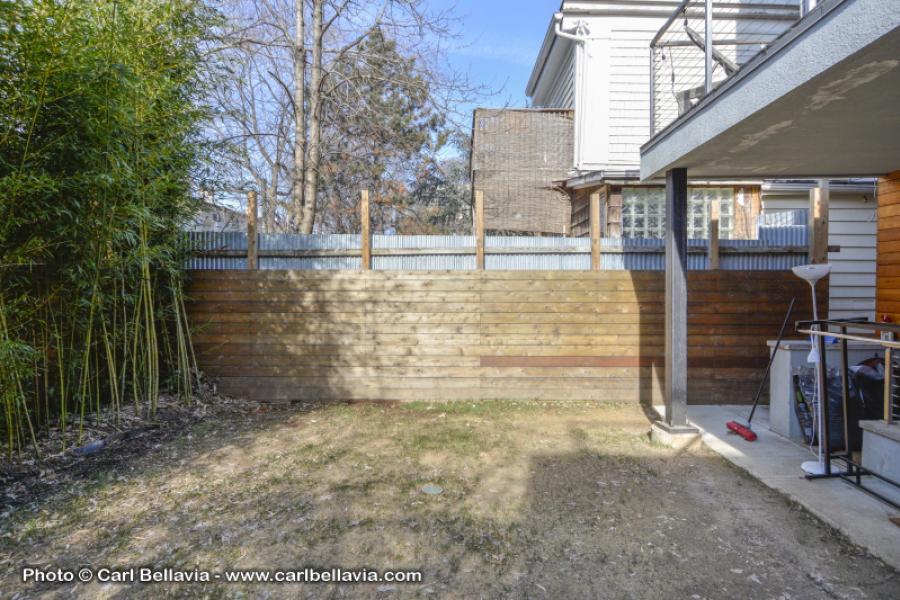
{"x": 539, "y": 502}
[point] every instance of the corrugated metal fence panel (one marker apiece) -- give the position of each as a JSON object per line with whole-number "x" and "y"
{"x": 319, "y": 263}
{"x": 537, "y": 262}
{"x": 297, "y": 241}
{"x": 615, "y": 252}
{"x": 216, "y": 263}
{"x": 760, "y": 262}
{"x": 217, "y": 240}
{"x": 422, "y": 241}
{"x": 789, "y": 235}
{"x": 434, "y": 262}
{"x": 524, "y": 241}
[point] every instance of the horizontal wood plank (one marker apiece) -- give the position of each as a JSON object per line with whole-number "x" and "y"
{"x": 443, "y": 335}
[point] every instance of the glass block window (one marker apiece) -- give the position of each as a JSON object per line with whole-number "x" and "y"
{"x": 644, "y": 212}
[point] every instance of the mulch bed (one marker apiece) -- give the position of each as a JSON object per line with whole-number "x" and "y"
{"x": 106, "y": 442}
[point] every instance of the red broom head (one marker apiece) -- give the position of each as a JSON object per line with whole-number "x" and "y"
{"x": 744, "y": 432}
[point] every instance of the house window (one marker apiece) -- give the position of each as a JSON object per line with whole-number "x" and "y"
{"x": 644, "y": 212}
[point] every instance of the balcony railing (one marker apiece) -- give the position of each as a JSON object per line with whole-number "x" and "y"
{"x": 705, "y": 42}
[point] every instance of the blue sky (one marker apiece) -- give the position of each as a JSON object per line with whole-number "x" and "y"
{"x": 501, "y": 39}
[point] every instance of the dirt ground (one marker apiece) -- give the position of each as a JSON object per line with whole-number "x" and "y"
{"x": 537, "y": 501}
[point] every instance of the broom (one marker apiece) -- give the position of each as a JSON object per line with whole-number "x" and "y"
{"x": 744, "y": 430}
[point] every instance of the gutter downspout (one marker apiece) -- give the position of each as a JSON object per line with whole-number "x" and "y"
{"x": 579, "y": 37}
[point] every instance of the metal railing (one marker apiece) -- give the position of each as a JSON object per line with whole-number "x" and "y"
{"x": 703, "y": 43}
{"x": 853, "y": 330}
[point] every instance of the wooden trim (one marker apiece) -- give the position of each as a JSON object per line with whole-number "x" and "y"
{"x": 713, "y": 246}
{"x": 595, "y": 231}
{"x": 818, "y": 223}
{"x": 479, "y": 230}
{"x": 366, "y": 234}
{"x": 252, "y": 237}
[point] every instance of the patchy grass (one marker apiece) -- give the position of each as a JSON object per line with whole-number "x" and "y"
{"x": 539, "y": 501}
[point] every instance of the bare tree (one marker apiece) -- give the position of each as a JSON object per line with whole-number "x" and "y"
{"x": 299, "y": 107}
{"x": 313, "y": 107}
{"x": 311, "y": 179}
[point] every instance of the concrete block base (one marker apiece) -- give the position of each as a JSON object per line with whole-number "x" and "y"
{"x": 881, "y": 447}
{"x": 674, "y": 437}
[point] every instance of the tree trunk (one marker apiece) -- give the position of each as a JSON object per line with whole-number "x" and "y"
{"x": 315, "y": 125}
{"x": 299, "y": 113}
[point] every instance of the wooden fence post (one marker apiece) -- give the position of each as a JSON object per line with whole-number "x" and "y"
{"x": 365, "y": 221}
{"x": 713, "y": 248}
{"x": 818, "y": 223}
{"x": 252, "y": 238}
{"x": 595, "y": 231}
{"x": 479, "y": 230}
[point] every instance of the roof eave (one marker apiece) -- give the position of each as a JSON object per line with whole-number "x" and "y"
{"x": 542, "y": 57}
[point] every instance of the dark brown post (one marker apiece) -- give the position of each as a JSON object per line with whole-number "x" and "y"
{"x": 252, "y": 238}
{"x": 479, "y": 230}
{"x": 676, "y": 298}
{"x": 366, "y": 236}
{"x": 595, "y": 231}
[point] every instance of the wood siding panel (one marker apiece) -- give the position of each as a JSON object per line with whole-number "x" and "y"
{"x": 280, "y": 336}
{"x": 888, "y": 269}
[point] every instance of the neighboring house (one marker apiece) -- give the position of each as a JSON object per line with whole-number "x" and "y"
{"x": 213, "y": 217}
{"x": 629, "y": 67}
{"x": 595, "y": 59}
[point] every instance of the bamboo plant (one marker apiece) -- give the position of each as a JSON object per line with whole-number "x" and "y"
{"x": 99, "y": 128}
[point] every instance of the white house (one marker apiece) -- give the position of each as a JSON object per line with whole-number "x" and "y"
{"x": 628, "y": 68}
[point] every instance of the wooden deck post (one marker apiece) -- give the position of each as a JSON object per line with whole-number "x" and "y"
{"x": 818, "y": 222}
{"x": 713, "y": 248}
{"x": 365, "y": 233}
{"x": 252, "y": 237}
{"x": 676, "y": 299}
{"x": 479, "y": 230}
{"x": 595, "y": 231}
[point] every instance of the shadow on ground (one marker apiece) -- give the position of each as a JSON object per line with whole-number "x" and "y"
{"x": 538, "y": 502}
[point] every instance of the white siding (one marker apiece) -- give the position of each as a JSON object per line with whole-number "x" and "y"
{"x": 562, "y": 94}
{"x": 613, "y": 83}
{"x": 852, "y": 226}
{"x": 629, "y": 89}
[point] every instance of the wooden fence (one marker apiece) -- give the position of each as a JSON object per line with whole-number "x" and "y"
{"x": 773, "y": 248}
{"x": 419, "y": 335}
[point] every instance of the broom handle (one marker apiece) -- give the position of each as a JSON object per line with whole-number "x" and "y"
{"x": 762, "y": 383}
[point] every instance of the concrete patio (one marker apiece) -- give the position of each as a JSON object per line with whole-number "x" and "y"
{"x": 775, "y": 461}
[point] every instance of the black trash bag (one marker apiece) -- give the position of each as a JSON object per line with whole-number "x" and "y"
{"x": 868, "y": 378}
